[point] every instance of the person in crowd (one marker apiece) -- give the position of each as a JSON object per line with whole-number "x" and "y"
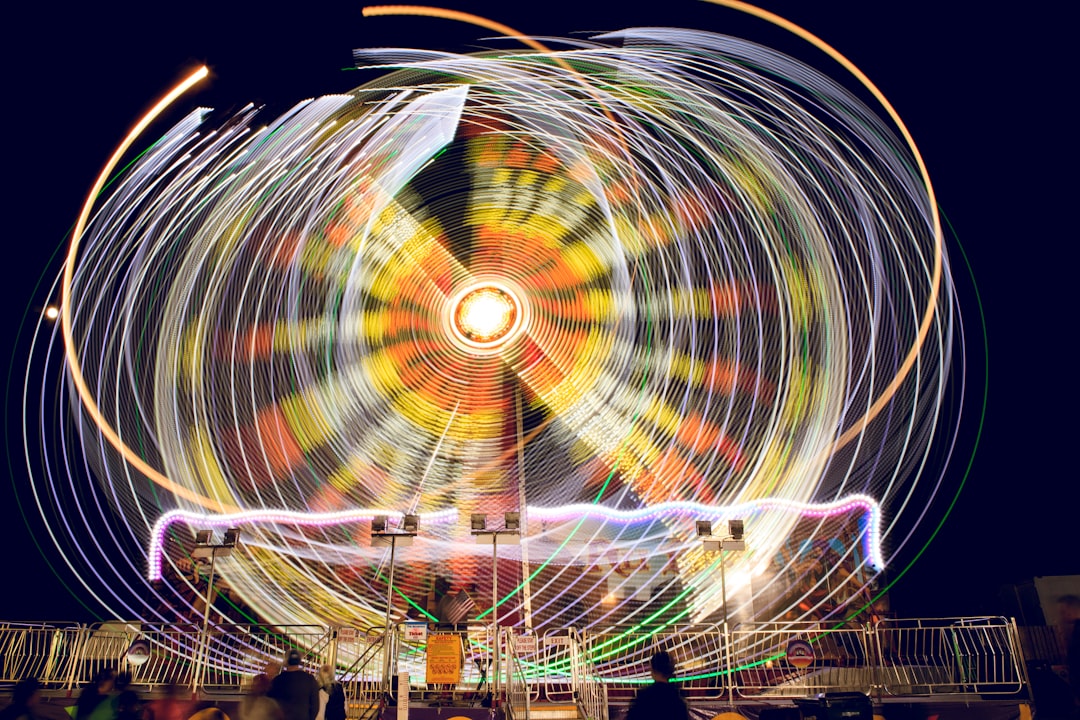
{"x": 661, "y": 699}
{"x": 295, "y": 690}
{"x": 125, "y": 701}
{"x": 270, "y": 671}
{"x": 257, "y": 704}
{"x": 94, "y": 701}
{"x": 24, "y": 699}
{"x": 331, "y": 695}
{"x": 170, "y": 706}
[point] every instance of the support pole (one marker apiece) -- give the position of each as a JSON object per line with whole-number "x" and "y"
{"x": 204, "y": 644}
{"x": 526, "y": 592}
{"x": 387, "y": 664}
{"x": 727, "y": 636}
{"x": 495, "y": 613}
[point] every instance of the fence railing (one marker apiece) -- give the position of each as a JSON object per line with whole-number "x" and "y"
{"x": 516, "y": 679}
{"x": 800, "y": 658}
{"x": 589, "y": 693}
{"x": 968, "y": 657}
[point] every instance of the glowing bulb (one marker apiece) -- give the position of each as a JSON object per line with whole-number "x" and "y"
{"x": 52, "y": 312}
{"x": 485, "y": 314}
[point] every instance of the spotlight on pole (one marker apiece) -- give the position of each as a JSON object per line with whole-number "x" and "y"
{"x": 381, "y": 537}
{"x": 509, "y": 535}
{"x": 512, "y": 521}
{"x": 732, "y": 541}
{"x": 204, "y": 548}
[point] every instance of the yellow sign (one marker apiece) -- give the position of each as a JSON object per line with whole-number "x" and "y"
{"x": 443, "y": 659}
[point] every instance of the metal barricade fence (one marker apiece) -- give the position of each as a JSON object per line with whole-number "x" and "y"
{"x": 36, "y": 650}
{"x": 949, "y": 656}
{"x": 531, "y": 658}
{"x": 797, "y": 659}
{"x": 556, "y": 680}
{"x": 590, "y": 693}
{"x": 621, "y": 660}
{"x": 101, "y": 646}
{"x": 518, "y": 695}
{"x": 360, "y": 661}
{"x": 235, "y": 653}
{"x": 969, "y": 657}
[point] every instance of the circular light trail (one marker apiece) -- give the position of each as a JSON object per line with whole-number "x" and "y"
{"x": 660, "y": 276}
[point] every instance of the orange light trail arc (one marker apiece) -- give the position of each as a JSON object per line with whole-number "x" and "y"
{"x": 935, "y": 282}
{"x": 70, "y": 354}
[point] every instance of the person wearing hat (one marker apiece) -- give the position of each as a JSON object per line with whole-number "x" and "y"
{"x": 296, "y": 691}
{"x": 661, "y": 699}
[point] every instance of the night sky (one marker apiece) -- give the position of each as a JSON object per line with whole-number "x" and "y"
{"x": 981, "y": 93}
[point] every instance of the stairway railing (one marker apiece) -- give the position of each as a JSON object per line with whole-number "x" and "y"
{"x": 590, "y": 695}
{"x": 516, "y": 680}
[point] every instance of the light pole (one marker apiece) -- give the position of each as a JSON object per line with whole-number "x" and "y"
{"x": 511, "y": 533}
{"x": 205, "y": 548}
{"x": 732, "y": 541}
{"x": 381, "y": 537}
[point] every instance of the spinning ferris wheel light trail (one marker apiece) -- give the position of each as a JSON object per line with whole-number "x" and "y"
{"x": 656, "y": 276}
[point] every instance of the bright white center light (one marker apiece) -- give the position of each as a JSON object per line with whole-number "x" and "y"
{"x": 485, "y": 315}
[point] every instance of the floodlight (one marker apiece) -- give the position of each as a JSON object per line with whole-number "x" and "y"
{"x": 479, "y": 522}
{"x": 232, "y": 537}
{"x": 378, "y": 524}
{"x": 704, "y": 528}
{"x": 202, "y": 537}
{"x": 735, "y": 529}
{"x": 512, "y": 521}
{"x": 410, "y": 523}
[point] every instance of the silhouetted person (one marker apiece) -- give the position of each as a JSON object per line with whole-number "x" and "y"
{"x": 126, "y": 703}
{"x": 331, "y": 695}
{"x": 257, "y": 704}
{"x": 296, "y": 691}
{"x": 94, "y": 702}
{"x": 24, "y": 698}
{"x": 661, "y": 700}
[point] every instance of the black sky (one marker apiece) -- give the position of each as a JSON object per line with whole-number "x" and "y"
{"x": 986, "y": 95}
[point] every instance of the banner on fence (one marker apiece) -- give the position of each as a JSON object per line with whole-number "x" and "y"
{"x": 444, "y": 659}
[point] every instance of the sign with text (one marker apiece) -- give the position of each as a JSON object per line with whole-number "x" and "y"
{"x": 444, "y": 659}
{"x": 525, "y": 644}
{"x": 416, "y": 632}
